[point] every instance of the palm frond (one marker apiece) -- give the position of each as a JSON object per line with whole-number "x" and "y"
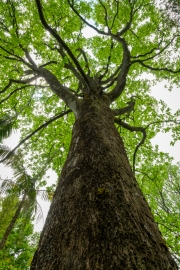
{"x": 6, "y": 127}
{"x": 43, "y": 195}
{"x": 6, "y": 186}
{"x": 24, "y": 183}
{"x": 38, "y": 212}
{"x": 4, "y": 150}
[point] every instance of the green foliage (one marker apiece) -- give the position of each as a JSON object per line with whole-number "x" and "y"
{"x": 25, "y": 97}
{"x": 19, "y": 249}
{"x": 21, "y": 197}
{"x": 161, "y": 185}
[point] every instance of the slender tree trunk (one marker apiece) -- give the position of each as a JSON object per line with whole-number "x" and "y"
{"x": 12, "y": 222}
{"x": 99, "y": 218}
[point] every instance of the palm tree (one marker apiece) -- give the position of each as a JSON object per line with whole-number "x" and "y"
{"x": 22, "y": 184}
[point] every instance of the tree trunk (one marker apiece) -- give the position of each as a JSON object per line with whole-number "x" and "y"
{"x": 99, "y": 218}
{"x": 12, "y": 222}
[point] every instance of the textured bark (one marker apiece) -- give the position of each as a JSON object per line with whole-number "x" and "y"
{"x": 99, "y": 218}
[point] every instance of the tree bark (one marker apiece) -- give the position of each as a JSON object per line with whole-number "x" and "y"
{"x": 99, "y": 218}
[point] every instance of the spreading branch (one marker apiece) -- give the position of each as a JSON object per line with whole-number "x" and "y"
{"x": 68, "y": 65}
{"x": 112, "y": 78}
{"x": 101, "y": 32}
{"x": 15, "y": 57}
{"x": 160, "y": 51}
{"x": 11, "y": 81}
{"x": 61, "y": 42}
{"x": 51, "y": 120}
{"x": 157, "y": 68}
{"x": 121, "y": 78}
{"x": 21, "y": 88}
{"x": 143, "y": 131}
{"x": 149, "y": 52}
{"x": 105, "y": 13}
{"x": 124, "y": 110}
{"x": 60, "y": 90}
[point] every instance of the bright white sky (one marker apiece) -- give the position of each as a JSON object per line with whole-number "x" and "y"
{"x": 172, "y": 99}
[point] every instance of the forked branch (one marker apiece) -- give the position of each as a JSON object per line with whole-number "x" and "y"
{"x": 125, "y": 65}
{"x": 60, "y": 90}
{"x": 60, "y": 41}
{"x": 68, "y": 65}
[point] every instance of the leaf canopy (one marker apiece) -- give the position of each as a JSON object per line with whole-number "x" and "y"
{"x": 53, "y": 52}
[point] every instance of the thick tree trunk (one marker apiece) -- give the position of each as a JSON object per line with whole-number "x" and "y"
{"x": 99, "y": 218}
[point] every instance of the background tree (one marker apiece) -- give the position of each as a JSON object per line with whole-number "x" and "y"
{"x": 52, "y": 66}
{"x": 22, "y": 241}
{"x": 161, "y": 189}
{"x": 24, "y": 187}
{"x": 171, "y": 10}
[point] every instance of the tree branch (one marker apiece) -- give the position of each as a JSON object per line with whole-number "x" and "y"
{"x": 121, "y": 78}
{"x": 11, "y": 81}
{"x": 105, "y": 13}
{"x": 20, "y": 88}
{"x": 86, "y": 22}
{"x": 60, "y": 41}
{"x": 117, "y": 11}
{"x": 132, "y": 129}
{"x": 156, "y": 68}
{"x": 124, "y": 110}
{"x": 145, "y": 174}
{"x": 82, "y": 52}
{"x": 15, "y": 57}
{"x": 14, "y": 91}
{"x": 60, "y": 90}
{"x": 54, "y": 118}
{"x": 142, "y": 130}
{"x": 101, "y": 32}
{"x": 158, "y": 53}
{"x": 108, "y": 62}
{"x": 68, "y": 65}
{"x": 112, "y": 77}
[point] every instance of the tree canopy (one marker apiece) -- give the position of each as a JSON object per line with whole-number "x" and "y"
{"x": 49, "y": 62}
